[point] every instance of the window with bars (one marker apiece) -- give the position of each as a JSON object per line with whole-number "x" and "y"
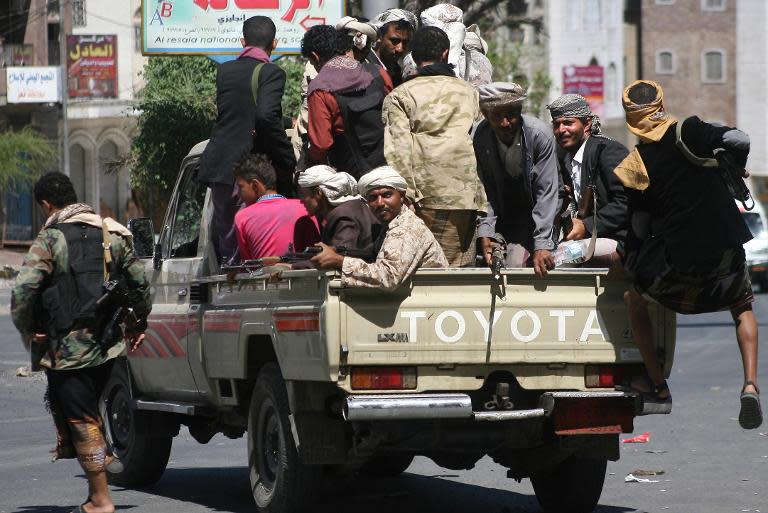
{"x": 713, "y": 66}
{"x": 665, "y": 62}
{"x": 78, "y": 13}
{"x": 712, "y": 5}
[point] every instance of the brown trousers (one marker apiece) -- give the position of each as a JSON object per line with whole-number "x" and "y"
{"x": 455, "y": 231}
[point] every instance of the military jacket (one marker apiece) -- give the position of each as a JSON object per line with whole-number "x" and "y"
{"x": 47, "y": 257}
{"x": 408, "y": 244}
{"x": 426, "y": 139}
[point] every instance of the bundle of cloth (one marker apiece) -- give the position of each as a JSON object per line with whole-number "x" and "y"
{"x": 468, "y": 49}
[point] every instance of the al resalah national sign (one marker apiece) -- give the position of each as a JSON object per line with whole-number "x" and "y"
{"x": 92, "y": 66}
{"x": 216, "y": 26}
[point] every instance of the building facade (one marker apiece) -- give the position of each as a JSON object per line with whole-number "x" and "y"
{"x": 689, "y": 47}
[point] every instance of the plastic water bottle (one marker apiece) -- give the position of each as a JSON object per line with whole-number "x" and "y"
{"x": 571, "y": 252}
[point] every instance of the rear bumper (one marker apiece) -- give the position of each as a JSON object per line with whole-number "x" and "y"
{"x": 572, "y": 412}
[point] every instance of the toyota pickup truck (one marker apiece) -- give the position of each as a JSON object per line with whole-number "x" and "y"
{"x": 455, "y": 365}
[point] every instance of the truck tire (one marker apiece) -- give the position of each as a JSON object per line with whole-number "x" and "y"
{"x": 386, "y": 465}
{"x": 574, "y": 486}
{"x": 129, "y": 432}
{"x": 280, "y": 482}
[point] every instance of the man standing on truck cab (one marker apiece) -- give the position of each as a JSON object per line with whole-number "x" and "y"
{"x": 685, "y": 243}
{"x": 67, "y": 329}
{"x": 344, "y": 217}
{"x": 517, "y": 164}
{"x": 270, "y": 224}
{"x": 249, "y": 92}
{"x": 588, "y": 154}
{"x": 405, "y": 244}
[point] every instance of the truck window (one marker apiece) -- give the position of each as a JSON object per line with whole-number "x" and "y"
{"x": 186, "y": 220}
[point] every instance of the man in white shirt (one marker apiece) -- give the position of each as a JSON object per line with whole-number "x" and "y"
{"x": 590, "y": 157}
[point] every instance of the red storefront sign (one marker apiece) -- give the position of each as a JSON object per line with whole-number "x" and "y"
{"x": 92, "y": 66}
{"x": 588, "y": 81}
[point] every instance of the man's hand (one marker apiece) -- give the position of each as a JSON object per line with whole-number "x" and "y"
{"x": 135, "y": 340}
{"x": 327, "y": 258}
{"x": 542, "y": 262}
{"x": 487, "y": 248}
{"x": 579, "y": 230}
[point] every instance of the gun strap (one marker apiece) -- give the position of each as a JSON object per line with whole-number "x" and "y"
{"x": 692, "y": 158}
{"x": 255, "y": 82}
{"x": 107, "y": 249}
{"x": 593, "y": 185}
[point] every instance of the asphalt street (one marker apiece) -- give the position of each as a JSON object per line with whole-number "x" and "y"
{"x": 710, "y": 465}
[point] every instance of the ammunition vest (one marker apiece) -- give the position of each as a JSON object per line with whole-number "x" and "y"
{"x": 70, "y": 300}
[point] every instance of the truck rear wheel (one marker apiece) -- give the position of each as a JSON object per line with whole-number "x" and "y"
{"x": 574, "y": 486}
{"x": 129, "y": 432}
{"x": 386, "y": 465}
{"x": 280, "y": 483}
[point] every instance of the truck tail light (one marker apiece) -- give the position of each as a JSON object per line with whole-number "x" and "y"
{"x": 383, "y": 378}
{"x": 608, "y": 376}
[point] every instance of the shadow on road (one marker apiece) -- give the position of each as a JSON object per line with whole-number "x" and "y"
{"x": 59, "y": 509}
{"x": 228, "y": 490}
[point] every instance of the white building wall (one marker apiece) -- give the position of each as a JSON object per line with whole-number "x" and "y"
{"x": 751, "y": 80}
{"x": 580, "y": 30}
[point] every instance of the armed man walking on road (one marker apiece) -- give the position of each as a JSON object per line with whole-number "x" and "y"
{"x": 80, "y": 281}
{"x": 685, "y": 244}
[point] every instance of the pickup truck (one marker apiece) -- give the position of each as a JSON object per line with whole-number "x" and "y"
{"x": 455, "y": 365}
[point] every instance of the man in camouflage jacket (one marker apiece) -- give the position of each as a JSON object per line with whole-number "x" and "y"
{"x": 426, "y": 139}
{"x": 76, "y": 364}
{"x": 404, "y": 245}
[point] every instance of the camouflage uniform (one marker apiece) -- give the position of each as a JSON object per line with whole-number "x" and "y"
{"x": 76, "y": 365}
{"x": 408, "y": 244}
{"x": 426, "y": 139}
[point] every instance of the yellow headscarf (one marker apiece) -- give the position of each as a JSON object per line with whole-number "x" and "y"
{"x": 649, "y": 122}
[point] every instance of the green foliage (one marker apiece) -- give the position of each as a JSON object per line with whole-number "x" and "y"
{"x": 177, "y": 110}
{"x": 24, "y": 155}
{"x": 507, "y": 61}
{"x": 294, "y": 69}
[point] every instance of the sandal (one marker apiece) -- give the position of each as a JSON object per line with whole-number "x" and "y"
{"x": 653, "y": 403}
{"x": 750, "y": 416}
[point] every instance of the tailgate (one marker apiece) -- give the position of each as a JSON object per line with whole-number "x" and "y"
{"x": 452, "y": 316}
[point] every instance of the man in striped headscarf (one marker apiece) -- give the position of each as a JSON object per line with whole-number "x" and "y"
{"x": 587, "y": 157}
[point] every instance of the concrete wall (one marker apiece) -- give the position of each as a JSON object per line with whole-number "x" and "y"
{"x": 687, "y": 30}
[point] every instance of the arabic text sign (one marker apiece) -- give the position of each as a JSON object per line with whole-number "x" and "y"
{"x": 588, "y": 82}
{"x": 92, "y": 66}
{"x": 216, "y": 26}
{"x": 33, "y": 85}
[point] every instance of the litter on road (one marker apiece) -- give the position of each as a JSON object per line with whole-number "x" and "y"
{"x": 631, "y": 478}
{"x": 639, "y": 439}
{"x": 641, "y": 472}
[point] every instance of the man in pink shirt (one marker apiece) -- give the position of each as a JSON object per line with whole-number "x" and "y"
{"x": 270, "y": 222}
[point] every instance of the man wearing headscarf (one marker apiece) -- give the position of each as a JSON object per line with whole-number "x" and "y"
{"x": 588, "y": 156}
{"x": 426, "y": 138}
{"x": 517, "y": 164}
{"x": 474, "y": 66}
{"x": 344, "y": 217}
{"x": 395, "y": 29}
{"x": 404, "y": 245}
{"x": 362, "y": 36}
{"x": 344, "y": 100}
{"x": 685, "y": 243}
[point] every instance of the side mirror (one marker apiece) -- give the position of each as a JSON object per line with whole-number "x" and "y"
{"x": 143, "y": 236}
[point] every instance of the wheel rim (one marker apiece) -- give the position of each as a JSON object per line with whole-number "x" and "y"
{"x": 119, "y": 418}
{"x": 268, "y": 447}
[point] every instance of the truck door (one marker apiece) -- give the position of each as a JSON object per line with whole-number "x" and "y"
{"x": 172, "y": 336}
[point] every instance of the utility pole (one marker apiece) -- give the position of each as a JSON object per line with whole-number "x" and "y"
{"x": 64, "y": 90}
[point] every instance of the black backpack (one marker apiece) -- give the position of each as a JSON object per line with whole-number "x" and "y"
{"x": 70, "y": 300}
{"x": 361, "y": 147}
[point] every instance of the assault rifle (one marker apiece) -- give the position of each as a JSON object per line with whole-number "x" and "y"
{"x": 733, "y": 176}
{"x": 293, "y": 257}
{"x": 114, "y": 304}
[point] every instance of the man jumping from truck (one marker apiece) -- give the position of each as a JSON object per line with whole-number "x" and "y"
{"x": 406, "y": 244}
{"x": 685, "y": 244}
